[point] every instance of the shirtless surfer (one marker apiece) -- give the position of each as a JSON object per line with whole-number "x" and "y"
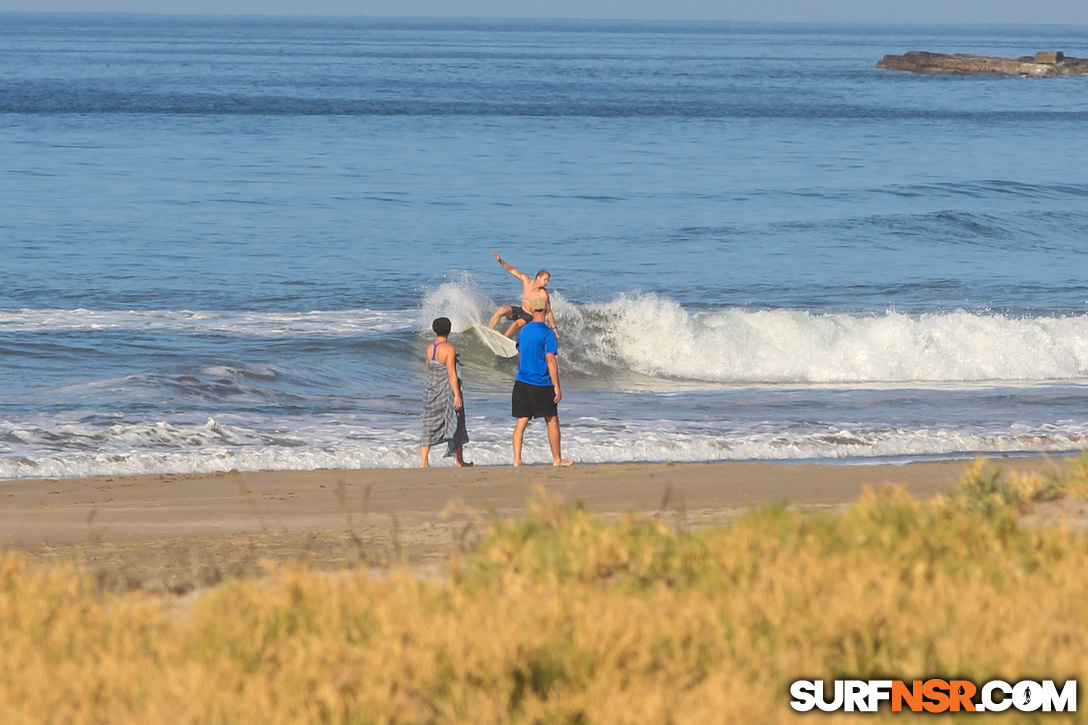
{"x": 534, "y": 289}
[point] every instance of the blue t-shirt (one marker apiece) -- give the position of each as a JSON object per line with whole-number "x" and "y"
{"x": 534, "y": 341}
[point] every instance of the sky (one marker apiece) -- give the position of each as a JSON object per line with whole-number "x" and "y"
{"x": 1061, "y": 12}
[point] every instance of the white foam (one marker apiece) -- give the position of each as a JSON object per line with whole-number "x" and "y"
{"x": 243, "y": 324}
{"x": 658, "y": 338}
{"x": 69, "y": 449}
{"x": 72, "y": 450}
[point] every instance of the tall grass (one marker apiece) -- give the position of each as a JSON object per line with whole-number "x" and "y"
{"x": 561, "y": 618}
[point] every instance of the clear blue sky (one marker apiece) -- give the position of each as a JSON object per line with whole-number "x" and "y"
{"x": 905, "y": 11}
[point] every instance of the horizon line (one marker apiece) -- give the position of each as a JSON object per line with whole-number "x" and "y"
{"x": 538, "y": 18}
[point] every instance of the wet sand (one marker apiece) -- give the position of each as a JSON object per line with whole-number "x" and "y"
{"x": 174, "y": 533}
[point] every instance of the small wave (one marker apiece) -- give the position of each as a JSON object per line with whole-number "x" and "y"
{"x": 120, "y": 438}
{"x": 337, "y": 323}
{"x": 218, "y": 384}
{"x": 69, "y": 451}
{"x": 987, "y": 189}
{"x": 832, "y": 444}
{"x": 77, "y": 449}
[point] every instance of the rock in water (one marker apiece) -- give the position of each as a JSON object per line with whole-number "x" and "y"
{"x": 1049, "y": 63}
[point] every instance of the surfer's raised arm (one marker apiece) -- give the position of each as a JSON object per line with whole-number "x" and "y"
{"x": 512, "y": 270}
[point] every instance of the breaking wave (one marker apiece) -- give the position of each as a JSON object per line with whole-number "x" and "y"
{"x": 657, "y": 337}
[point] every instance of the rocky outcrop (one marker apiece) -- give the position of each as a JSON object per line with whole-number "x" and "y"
{"x": 1051, "y": 63}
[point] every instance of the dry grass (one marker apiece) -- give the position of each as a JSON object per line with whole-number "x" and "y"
{"x": 564, "y": 619}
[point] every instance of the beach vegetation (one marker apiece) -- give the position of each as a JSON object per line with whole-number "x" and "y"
{"x": 988, "y": 488}
{"x": 565, "y": 618}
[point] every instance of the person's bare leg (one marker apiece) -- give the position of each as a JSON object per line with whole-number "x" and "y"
{"x": 519, "y": 438}
{"x": 499, "y": 314}
{"x": 512, "y": 331}
{"x": 459, "y": 456}
{"x": 424, "y": 456}
{"x": 555, "y": 441}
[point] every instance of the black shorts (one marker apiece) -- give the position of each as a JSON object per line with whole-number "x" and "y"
{"x": 533, "y": 401}
{"x": 517, "y": 313}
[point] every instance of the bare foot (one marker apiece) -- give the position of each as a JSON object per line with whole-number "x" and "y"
{"x": 563, "y": 463}
{"x": 465, "y": 464}
{"x": 424, "y": 465}
{"x": 517, "y": 464}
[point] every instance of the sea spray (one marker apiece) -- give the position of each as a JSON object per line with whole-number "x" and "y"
{"x": 462, "y": 301}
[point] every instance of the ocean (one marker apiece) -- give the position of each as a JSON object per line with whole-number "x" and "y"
{"x": 223, "y": 240}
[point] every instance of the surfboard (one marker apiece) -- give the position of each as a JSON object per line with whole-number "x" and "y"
{"x": 495, "y": 341}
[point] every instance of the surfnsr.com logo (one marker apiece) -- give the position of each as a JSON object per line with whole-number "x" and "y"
{"x": 934, "y": 695}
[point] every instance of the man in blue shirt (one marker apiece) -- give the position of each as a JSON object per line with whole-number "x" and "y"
{"x": 536, "y": 388}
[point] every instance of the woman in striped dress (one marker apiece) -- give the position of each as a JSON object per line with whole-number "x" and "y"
{"x": 443, "y": 407}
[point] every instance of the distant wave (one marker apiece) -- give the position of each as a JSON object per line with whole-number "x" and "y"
{"x": 72, "y": 98}
{"x": 987, "y": 189}
{"x": 255, "y": 324}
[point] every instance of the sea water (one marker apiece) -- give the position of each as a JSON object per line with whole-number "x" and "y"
{"x": 223, "y": 240}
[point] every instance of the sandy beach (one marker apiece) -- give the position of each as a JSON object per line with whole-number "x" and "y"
{"x": 173, "y": 533}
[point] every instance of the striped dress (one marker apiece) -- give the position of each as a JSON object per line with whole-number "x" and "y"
{"x": 441, "y": 422}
